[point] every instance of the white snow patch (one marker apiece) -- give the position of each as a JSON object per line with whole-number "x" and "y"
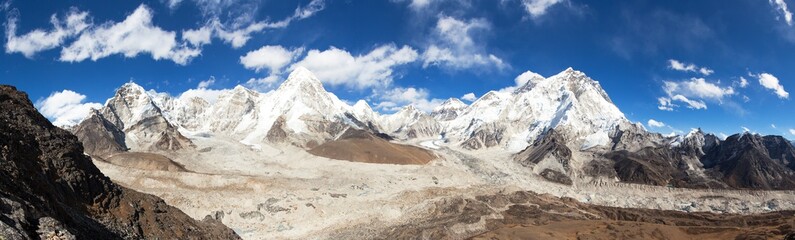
{"x": 599, "y": 138}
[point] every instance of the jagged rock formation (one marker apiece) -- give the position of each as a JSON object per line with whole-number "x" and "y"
{"x": 746, "y": 161}
{"x": 50, "y": 190}
{"x": 548, "y": 156}
{"x": 363, "y": 146}
{"x": 134, "y": 111}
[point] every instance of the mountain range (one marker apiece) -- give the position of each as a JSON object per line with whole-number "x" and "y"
{"x": 564, "y": 128}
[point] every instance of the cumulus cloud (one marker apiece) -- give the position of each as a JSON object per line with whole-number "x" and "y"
{"x": 781, "y": 7}
{"x": 453, "y": 45}
{"x": 202, "y": 91}
{"x": 771, "y": 82}
{"x": 131, "y": 37}
{"x": 393, "y": 99}
{"x": 339, "y": 67}
{"x": 527, "y": 76}
{"x": 137, "y": 34}
{"x": 65, "y": 108}
{"x": 39, "y": 40}
{"x": 792, "y": 131}
{"x": 273, "y": 58}
{"x": 538, "y": 8}
{"x": 692, "y": 92}
{"x": 688, "y": 67}
{"x": 655, "y": 124}
{"x": 469, "y": 97}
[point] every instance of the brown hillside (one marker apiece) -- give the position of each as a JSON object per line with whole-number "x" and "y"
{"x": 362, "y": 146}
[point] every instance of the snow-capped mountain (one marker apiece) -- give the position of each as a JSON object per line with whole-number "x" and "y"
{"x": 145, "y": 127}
{"x": 570, "y": 102}
{"x": 547, "y": 124}
{"x": 303, "y": 113}
{"x": 410, "y": 122}
{"x": 449, "y": 110}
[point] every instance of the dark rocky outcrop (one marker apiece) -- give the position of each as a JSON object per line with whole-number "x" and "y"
{"x": 485, "y": 136}
{"x": 550, "y": 145}
{"x": 752, "y": 161}
{"x": 99, "y": 136}
{"x": 50, "y": 189}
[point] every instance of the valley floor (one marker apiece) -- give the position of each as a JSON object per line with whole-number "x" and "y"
{"x": 265, "y": 193}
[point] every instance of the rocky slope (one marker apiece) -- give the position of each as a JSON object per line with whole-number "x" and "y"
{"x": 50, "y": 190}
{"x": 527, "y": 215}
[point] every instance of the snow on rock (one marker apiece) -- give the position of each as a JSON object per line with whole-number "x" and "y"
{"x": 599, "y": 138}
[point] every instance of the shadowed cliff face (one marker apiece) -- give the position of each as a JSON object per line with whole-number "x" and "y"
{"x": 753, "y": 161}
{"x": 49, "y": 188}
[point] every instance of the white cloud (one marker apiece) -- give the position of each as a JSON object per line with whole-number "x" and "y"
{"x": 393, "y": 99}
{"x": 773, "y": 126}
{"x": 202, "y": 91}
{"x": 692, "y": 92}
{"x": 792, "y": 131}
{"x": 207, "y": 83}
{"x": 771, "y": 82}
{"x": 745, "y": 129}
{"x": 263, "y": 84}
{"x": 65, "y": 108}
{"x": 723, "y": 136}
{"x": 525, "y": 77}
{"x": 239, "y": 31}
{"x": 273, "y": 58}
{"x": 338, "y": 67}
{"x": 197, "y": 37}
{"x": 418, "y": 4}
{"x": 693, "y": 104}
{"x": 781, "y": 6}
{"x": 173, "y": 3}
{"x": 209, "y": 95}
{"x": 131, "y": 37}
{"x": 698, "y": 87}
{"x": 665, "y": 104}
{"x": 655, "y": 124}
{"x": 688, "y": 67}
{"x": 40, "y": 40}
{"x": 743, "y": 82}
{"x": 537, "y": 8}
{"x": 453, "y": 45}
{"x": 469, "y": 97}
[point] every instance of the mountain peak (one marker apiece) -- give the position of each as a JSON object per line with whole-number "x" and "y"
{"x": 451, "y": 103}
{"x": 301, "y": 76}
{"x": 130, "y": 87}
{"x": 361, "y": 104}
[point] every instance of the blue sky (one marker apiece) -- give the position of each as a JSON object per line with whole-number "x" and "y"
{"x": 718, "y": 65}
